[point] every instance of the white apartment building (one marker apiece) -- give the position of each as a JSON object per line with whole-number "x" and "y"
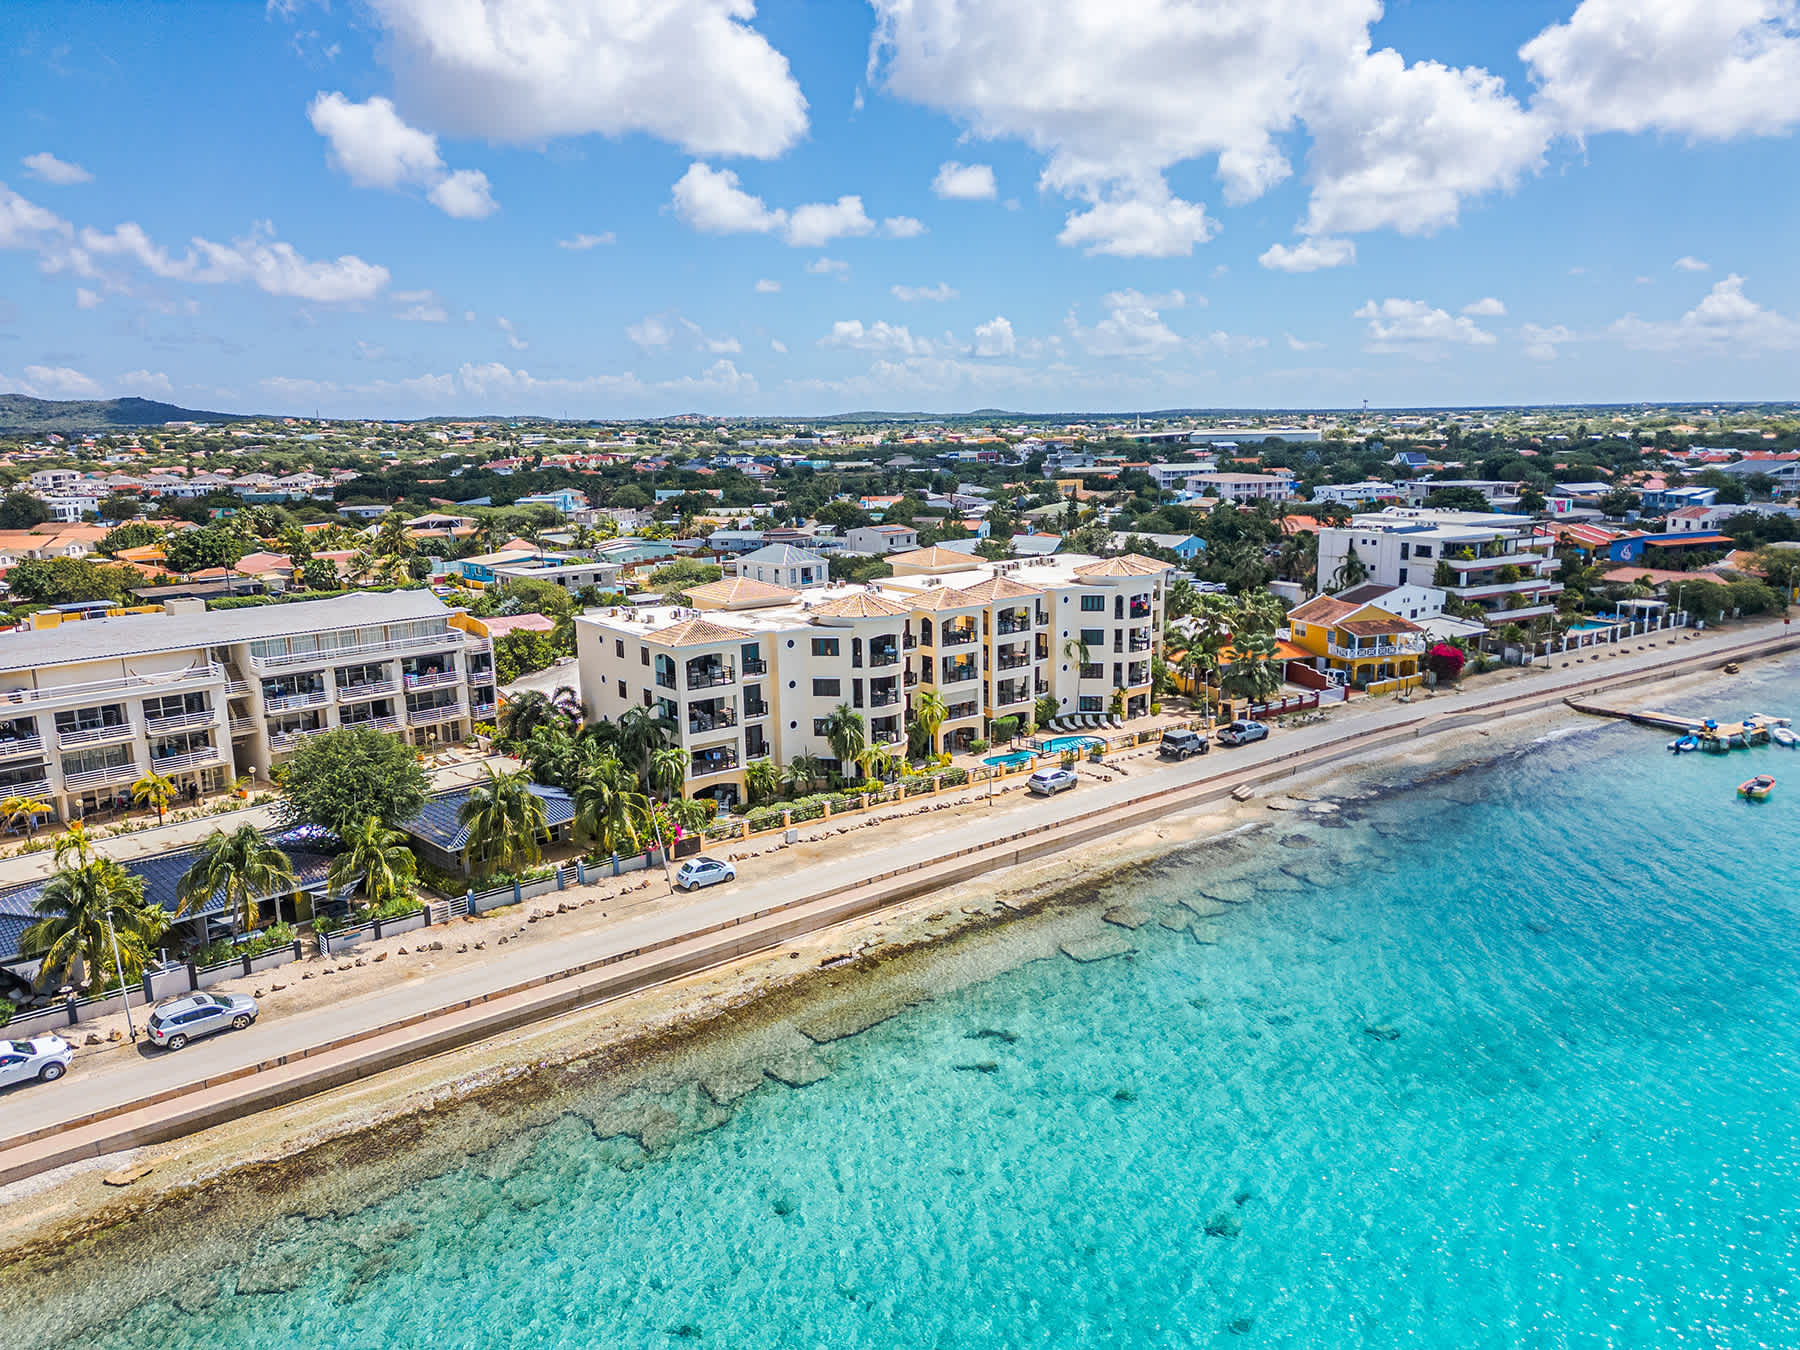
{"x": 752, "y": 671}
{"x": 876, "y": 539}
{"x": 1243, "y": 487}
{"x": 783, "y": 565}
{"x": 1499, "y": 562}
{"x": 87, "y": 707}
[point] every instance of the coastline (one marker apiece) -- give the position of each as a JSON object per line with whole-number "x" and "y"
{"x": 410, "y": 1124}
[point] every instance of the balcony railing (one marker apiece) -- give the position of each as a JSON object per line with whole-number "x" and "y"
{"x": 1399, "y": 647}
{"x": 960, "y": 674}
{"x": 287, "y": 740}
{"x": 475, "y": 646}
{"x": 243, "y": 726}
{"x": 955, "y": 637}
{"x": 357, "y": 693}
{"x": 910, "y": 641}
{"x": 756, "y": 666}
{"x": 1139, "y": 645}
{"x": 87, "y": 778}
{"x": 1006, "y": 626}
{"x": 761, "y": 751}
{"x": 179, "y": 722}
{"x": 37, "y": 787}
{"x": 436, "y": 679}
{"x": 375, "y": 724}
{"x": 20, "y": 746}
{"x": 711, "y": 678}
{"x": 911, "y": 678}
{"x": 486, "y": 710}
{"x": 887, "y": 656}
{"x": 336, "y": 655}
{"x": 723, "y": 720}
{"x": 704, "y": 765}
{"x": 117, "y": 731}
{"x": 1005, "y": 698}
{"x": 1012, "y": 662}
{"x": 237, "y": 687}
{"x": 185, "y": 759}
{"x": 883, "y": 698}
{"x": 85, "y": 693}
{"x": 443, "y": 712}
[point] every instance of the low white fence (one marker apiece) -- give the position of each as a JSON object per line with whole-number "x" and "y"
{"x": 153, "y": 988}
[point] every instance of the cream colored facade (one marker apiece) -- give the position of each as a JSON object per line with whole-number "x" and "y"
{"x": 751, "y": 671}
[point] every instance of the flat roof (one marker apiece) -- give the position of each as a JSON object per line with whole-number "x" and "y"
{"x": 141, "y": 634}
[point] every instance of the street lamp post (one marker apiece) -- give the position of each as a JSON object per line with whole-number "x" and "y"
{"x": 119, "y": 969}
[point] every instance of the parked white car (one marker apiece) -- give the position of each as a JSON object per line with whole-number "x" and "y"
{"x": 1049, "y": 782}
{"x": 42, "y": 1059}
{"x": 183, "y": 1019}
{"x": 698, "y": 872}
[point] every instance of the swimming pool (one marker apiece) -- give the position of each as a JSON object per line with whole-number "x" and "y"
{"x": 1057, "y": 744}
{"x": 1009, "y": 761}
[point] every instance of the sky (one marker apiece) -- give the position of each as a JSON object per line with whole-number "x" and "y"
{"x": 626, "y": 208}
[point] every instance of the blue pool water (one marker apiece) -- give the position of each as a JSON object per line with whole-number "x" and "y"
{"x": 1057, "y": 744}
{"x": 1016, "y": 757}
{"x": 1506, "y": 1057}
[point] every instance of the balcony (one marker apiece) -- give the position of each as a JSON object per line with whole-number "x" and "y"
{"x": 962, "y": 712}
{"x": 1140, "y": 611}
{"x": 762, "y": 750}
{"x": 287, "y": 740}
{"x": 756, "y": 710}
{"x": 87, "y": 778}
{"x": 1533, "y": 586}
{"x": 443, "y": 712}
{"x": 911, "y": 678}
{"x": 486, "y": 711}
{"x": 1519, "y": 560}
{"x": 1499, "y": 618}
{"x": 883, "y": 698}
{"x": 756, "y": 666}
{"x": 236, "y": 687}
{"x": 37, "y": 787}
{"x": 959, "y": 674}
{"x": 1007, "y": 695}
{"x": 884, "y": 656}
{"x": 243, "y": 726}
{"x": 698, "y": 724}
{"x": 1005, "y": 626}
{"x": 713, "y": 677}
{"x": 290, "y": 702}
{"x": 375, "y": 724}
{"x": 714, "y": 762}
{"x": 20, "y": 746}
{"x": 436, "y": 679}
{"x": 88, "y": 693}
{"x": 477, "y": 646}
{"x": 1138, "y": 645}
{"x": 180, "y": 722}
{"x": 1012, "y": 661}
{"x": 117, "y": 731}
{"x": 910, "y": 641}
{"x": 1406, "y": 646}
{"x": 955, "y": 637}
{"x": 439, "y": 641}
{"x": 185, "y": 759}
{"x": 358, "y": 693}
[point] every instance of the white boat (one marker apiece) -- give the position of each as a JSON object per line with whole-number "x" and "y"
{"x": 1784, "y": 736}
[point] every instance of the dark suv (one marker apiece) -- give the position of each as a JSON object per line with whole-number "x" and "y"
{"x": 1181, "y": 744}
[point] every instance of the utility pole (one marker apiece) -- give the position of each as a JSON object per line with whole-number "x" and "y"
{"x": 119, "y": 969}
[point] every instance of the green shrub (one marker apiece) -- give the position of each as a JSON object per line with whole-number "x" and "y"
{"x": 6, "y": 1012}
{"x": 326, "y": 924}
{"x": 953, "y": 777}
{"x": 1006, "y": 728}
{"x": 978, "y": 747}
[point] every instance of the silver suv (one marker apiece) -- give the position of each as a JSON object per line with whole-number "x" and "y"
{"x": 180, "y": 1020}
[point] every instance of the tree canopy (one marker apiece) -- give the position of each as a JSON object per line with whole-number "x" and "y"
{"x": 341, "y": 778}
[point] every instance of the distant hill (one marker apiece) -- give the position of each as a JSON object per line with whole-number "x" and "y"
{"x": 21, "y": 414}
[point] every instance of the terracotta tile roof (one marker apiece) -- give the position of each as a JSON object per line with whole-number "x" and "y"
{"x": 999, "y": 588}
{"x": 738, "y": 591}
{"x": 1130, "y": 565}
{"x": 861, "y": 605}
{"x": 693, "y": 633}
{"x": 943, "y": 599}
{"x": 1323, "y": 609}
{"x": 1378, "y": 627}
{"x": 930, "y": 557}
{"x": 501, "y": 625}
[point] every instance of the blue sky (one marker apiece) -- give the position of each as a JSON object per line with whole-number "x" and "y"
{"x": 636, "y": 207}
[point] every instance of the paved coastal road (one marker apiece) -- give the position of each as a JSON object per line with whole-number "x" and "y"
{"x": 106, "y": 1082}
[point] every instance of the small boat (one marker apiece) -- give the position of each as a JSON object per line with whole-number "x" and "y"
{"x": 1758, "y": 788}
{"x": 1682, "y": 744}
{"x": 1731, "y": 667}
{"x": 1784, "y": 736}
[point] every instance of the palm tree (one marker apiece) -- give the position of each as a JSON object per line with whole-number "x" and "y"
{"x": 872, "y": 761}
{"x": 762, "y": 780}
{"x": 1350, "y": 572}
{"x": 640, "y": 732}
{"x": 243, "y": 867}
{"x": 16, "y": 808}
{"x": 1255, "y": 672}
{"x": 846, "y": 734}
{"x": 668, "y": 771}
{"x": 1077, "y": 650}
{"x": 393, "y": 539}
{"x": 802, "y": 772}
{"x": 82, "y": 909}
{"x": 567, "y": 702}
{"x": 380, "y": 857}
{"x": 930, "y": 712}
{"x": 155, "y": 791}
{"x": 608, "y": 806}
{"x": 1180, "y": 598}
{"x": 525, "y": 713}
{"x": 505, "y": 820}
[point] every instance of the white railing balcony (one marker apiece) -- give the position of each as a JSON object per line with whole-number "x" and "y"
{"x": 187, "y": 759}
{"x": 1520, "y": 560}
{"x": 37, "y": 787}
{"x": 287, "y": 740}
{"x": 236, "y": 687}
{"x": 287, "y": 702}
{"x": 485, "y": 710}
{"x": 1499, "y": 618}
{"x": 19, "y": 746}
{"x": 337, "y": 655}
{"x": 420, "y": 717}
{"x": 243, "y": 726}
{"x": 1529, "y": 585}
{"x": 211, "y": 673}
{"x": 1408, "y": 646}
{"x": 121, "y": 731}
{"x": 436, "y": 680}
{"x": 357, "y": 693}
{"x": 475, "y": 646}
{"x": 120, "y": 773}
{"x": 179, "y": 722}
{"x": 375, "y": 724}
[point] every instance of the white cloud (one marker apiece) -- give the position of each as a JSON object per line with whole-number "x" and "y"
{"x": 513, "y": 340}
{"x": 1309, "y": 255}
{"x": 818, "y": 223}
{"x": 582, "y": 242}
{"x": 767, "y": 287}
{"x": 1233, "y": 344}
{"x": 693, "y": 73}
{"x": 25, "y": 224}
{"x": 1725, "y": 322}
{"x": 257, "y": 259}
{"x": 464, "y": 195}
{"x": 965, "y": 182}
{"x": 1416, "y": 327}
{"x": 1705, "y": 69}
{"x": 58, "y": 382}
{"x": 1133, "y": 326}
{"x": 658, "y": 332}
{"x": 829, "y": 267}
{"x": 711, "y": 200}
{"x": 142, "y": 382}
{"x": 995, "y": 337}
{"x": 1541, "y": 343}
{"x": 423, "y": 307}
{"x": 777, "y": 345}
{"x": 47, "y": 168}
{"x": 902, "y": 227}
{"x": 1301, "y": 344}
{"x": 374, "y": 147}
{"x": 1486, "y": 308}
{"x": 86, "y": 299}
{"x": 651, "y": 332}
{"x": 1155, "y": 225}
{"x": 879, "y": 336}
{"x": 1691, "y": 264}
{"x": 941, "y": 292}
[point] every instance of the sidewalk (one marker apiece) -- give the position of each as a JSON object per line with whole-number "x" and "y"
{"x": 418, "y": 990}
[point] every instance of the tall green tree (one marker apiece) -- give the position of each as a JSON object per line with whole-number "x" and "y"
{"x": 154, "y": 791}
{"x": 846, "y": 734}
{"x": 930, "y": 712}
{"x": 71, "y": 937}
{"x": 244, "y": 866}
{"x": 382, "y": 860}
{"x": 668, "y": 771}
{"x": 338, "y": 779}
{"x": 1255, "y": 673}
{"x": 609, "y": 810}
{"x": 506, "y": 823}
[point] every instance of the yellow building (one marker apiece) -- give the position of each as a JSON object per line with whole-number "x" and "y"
{"x": 1363, "y": 641}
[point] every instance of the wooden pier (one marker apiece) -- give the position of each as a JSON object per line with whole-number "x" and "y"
{"x": 1752, "y": 730}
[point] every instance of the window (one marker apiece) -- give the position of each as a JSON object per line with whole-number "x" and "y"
{"x": 1402, "y": 575}
{"x": 1422, "y": 551}
{"x": 643, "y": 656}
{"x": 1093, "y": 604}
{"x": 820, "y": 726}
{"x": 1405, "y": 552}
{"x": 619, "y": 648}
{"x": 622, "y": 693}
{"x": 826, "y": 688}
{"x": 1092, "y": 703}
{"x": 1093, "y": 637}
{"x": 824, "y": 646}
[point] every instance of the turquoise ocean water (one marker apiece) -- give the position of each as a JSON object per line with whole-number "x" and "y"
{"x": 1505, "y": 1057}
